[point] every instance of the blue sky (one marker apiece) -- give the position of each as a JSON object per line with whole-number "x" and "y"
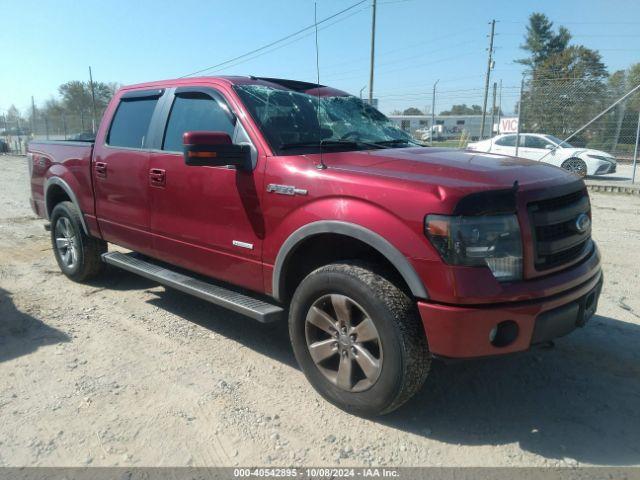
{"x": 418, "y": 41}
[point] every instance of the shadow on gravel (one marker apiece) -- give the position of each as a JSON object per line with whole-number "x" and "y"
{"x": 578, "y": 400}
{"x": 608, "y": 178}
{"x": 21, "y": 334}
{"x": 271, "y": 340}
{"x": 120, "y": 280}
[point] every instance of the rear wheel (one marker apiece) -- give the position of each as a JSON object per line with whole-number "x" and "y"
{"x": 576, "y": 165}
{"x": 358, "y": 338}
{"x": 78, "y": 255}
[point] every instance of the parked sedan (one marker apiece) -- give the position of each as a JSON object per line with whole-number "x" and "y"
{"x": 549, "y": 149}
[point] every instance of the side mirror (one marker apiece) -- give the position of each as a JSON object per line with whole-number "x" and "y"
{"x": 548, "y": 146}
{"x": 214, "y": 149}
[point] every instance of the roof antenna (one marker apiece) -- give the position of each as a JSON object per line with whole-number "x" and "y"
{"x": 321, "y": 165}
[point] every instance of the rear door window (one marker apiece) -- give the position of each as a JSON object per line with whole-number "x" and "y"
{"x": 195, "y": 112}
{"x": 131, "y": 123}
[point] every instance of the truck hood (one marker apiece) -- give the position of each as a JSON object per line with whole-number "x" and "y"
{"x": 448, "y": 168}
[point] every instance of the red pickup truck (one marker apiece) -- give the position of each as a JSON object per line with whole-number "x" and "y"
{"x": 278, "y": 198}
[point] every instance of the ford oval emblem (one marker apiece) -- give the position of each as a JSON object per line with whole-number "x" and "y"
{"x": 583, "y": 222}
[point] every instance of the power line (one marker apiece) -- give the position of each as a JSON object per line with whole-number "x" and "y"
{"x": 277, "y": 47}
{"x": 275, "y": 42}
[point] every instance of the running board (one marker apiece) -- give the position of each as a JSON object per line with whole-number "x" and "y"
{"x": 252, "y": 307}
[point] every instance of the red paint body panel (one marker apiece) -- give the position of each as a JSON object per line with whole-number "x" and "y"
{"x": 200, "y": 211}
{"x": 455, "y": 331}
{"x": 150, "y": 201}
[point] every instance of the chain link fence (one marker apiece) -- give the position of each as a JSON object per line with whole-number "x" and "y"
{"x": 561, "y": 107}
{"x": 570, "y": 107}
{"x": 16, "y": 132}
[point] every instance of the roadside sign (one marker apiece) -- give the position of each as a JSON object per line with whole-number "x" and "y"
{"x": 508, "y": 125}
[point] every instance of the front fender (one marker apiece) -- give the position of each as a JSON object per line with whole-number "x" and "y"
{"x": 398, "y": 240}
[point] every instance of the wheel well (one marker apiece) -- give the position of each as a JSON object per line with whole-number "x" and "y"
{"x": 325, "y": 248}
{"x": 55, "y": 195}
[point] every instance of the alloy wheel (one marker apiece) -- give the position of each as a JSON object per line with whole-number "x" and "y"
{"x": 66, "y": 243}
{"x": 577, "y": 166}
{"x": 344, "y": 343}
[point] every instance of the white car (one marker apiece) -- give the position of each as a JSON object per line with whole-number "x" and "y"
{"x": 549, "y": 149}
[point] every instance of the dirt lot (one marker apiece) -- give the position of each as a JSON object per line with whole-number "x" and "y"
{"x": 124, "y": 372}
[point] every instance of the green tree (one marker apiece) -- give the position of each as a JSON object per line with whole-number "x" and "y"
{"x": 76, "y": 96}
{"x": 412, "y": 111}
{"x": 633, "y": 80}
{"x": 566, "y": 86}
{"x": 621, "y": 122}
{"x": 541, "y": 41}
{"x": 463, "y": 109}
{"x": 77, "y": 103}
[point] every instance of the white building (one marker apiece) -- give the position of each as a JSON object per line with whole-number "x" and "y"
{"x": 446, "y": 126}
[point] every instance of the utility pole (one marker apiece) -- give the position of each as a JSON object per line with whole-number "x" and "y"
{"x": 635, "y": 151}
{"x": 519, "y": 115}
{"x": 493, "y": 109}
{"x": 499, "y": 107}
{"x": 487, "y": 77}
{"x": 373, "y": 51}
{"x": 33, "y": 116}
{"x": 93, "y": 102}
{"x": 433, "y": 112}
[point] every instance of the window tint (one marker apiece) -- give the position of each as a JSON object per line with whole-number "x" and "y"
{"x": 131, "y": 122}
{"x": 535, "y": 142}
{"x": 508, "y": 141}
{"x": 195, "y": 112}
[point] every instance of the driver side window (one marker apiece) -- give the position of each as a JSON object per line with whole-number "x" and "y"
{"x": 535, "y": 142}
{"x": 193, "y": 112}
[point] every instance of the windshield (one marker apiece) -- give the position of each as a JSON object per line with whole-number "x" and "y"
{"x": 292, "y": 120}
{"x": 557, "y": 141}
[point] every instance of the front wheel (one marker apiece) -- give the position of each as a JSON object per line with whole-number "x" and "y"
{"x": 358, "y": 339}
{"x": 78, "y": 255}
{"x": 576, "y": 165}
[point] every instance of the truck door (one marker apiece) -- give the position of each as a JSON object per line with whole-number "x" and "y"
{"x": 206, "y": 219}
{"x": 120, "y": 172}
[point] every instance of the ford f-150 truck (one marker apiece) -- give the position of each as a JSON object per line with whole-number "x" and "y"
{"x": 279, "y": 198}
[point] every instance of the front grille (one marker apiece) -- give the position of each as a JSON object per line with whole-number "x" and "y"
{"x": 556, "y": 237}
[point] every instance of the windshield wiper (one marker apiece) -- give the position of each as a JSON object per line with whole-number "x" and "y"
{"x": 328, "y": 144}
{"x": 391, "y": 143}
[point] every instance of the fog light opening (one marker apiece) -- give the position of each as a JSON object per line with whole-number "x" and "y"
{"x": 504, "y": 333}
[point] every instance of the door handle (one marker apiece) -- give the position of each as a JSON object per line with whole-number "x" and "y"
{"x": 101, "y": 169}
{"x": 157, "y": 177}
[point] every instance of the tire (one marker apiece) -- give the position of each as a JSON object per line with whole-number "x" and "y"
{"x": 400, "y": 351}
{"x": 575, "y": 165}
{"x": 78, "y": 255}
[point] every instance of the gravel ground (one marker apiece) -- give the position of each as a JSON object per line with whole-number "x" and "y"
{"x": 124, "y": 372}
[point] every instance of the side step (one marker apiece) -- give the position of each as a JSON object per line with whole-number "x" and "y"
{"x": 252, "y": 307}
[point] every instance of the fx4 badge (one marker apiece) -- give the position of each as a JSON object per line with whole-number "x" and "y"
{"x": 285, "y": 189}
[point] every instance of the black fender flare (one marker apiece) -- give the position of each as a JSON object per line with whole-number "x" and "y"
{"x": 67, "y": 189}
{"x": 374, "y": 240}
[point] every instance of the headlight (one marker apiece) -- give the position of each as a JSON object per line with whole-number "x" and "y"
{"x": 492, "y": 241}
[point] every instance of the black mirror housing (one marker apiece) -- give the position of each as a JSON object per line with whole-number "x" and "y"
{"x": 214, "y": 149}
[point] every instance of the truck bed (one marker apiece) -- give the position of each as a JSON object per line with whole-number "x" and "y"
{"x": 70, "y": 161}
